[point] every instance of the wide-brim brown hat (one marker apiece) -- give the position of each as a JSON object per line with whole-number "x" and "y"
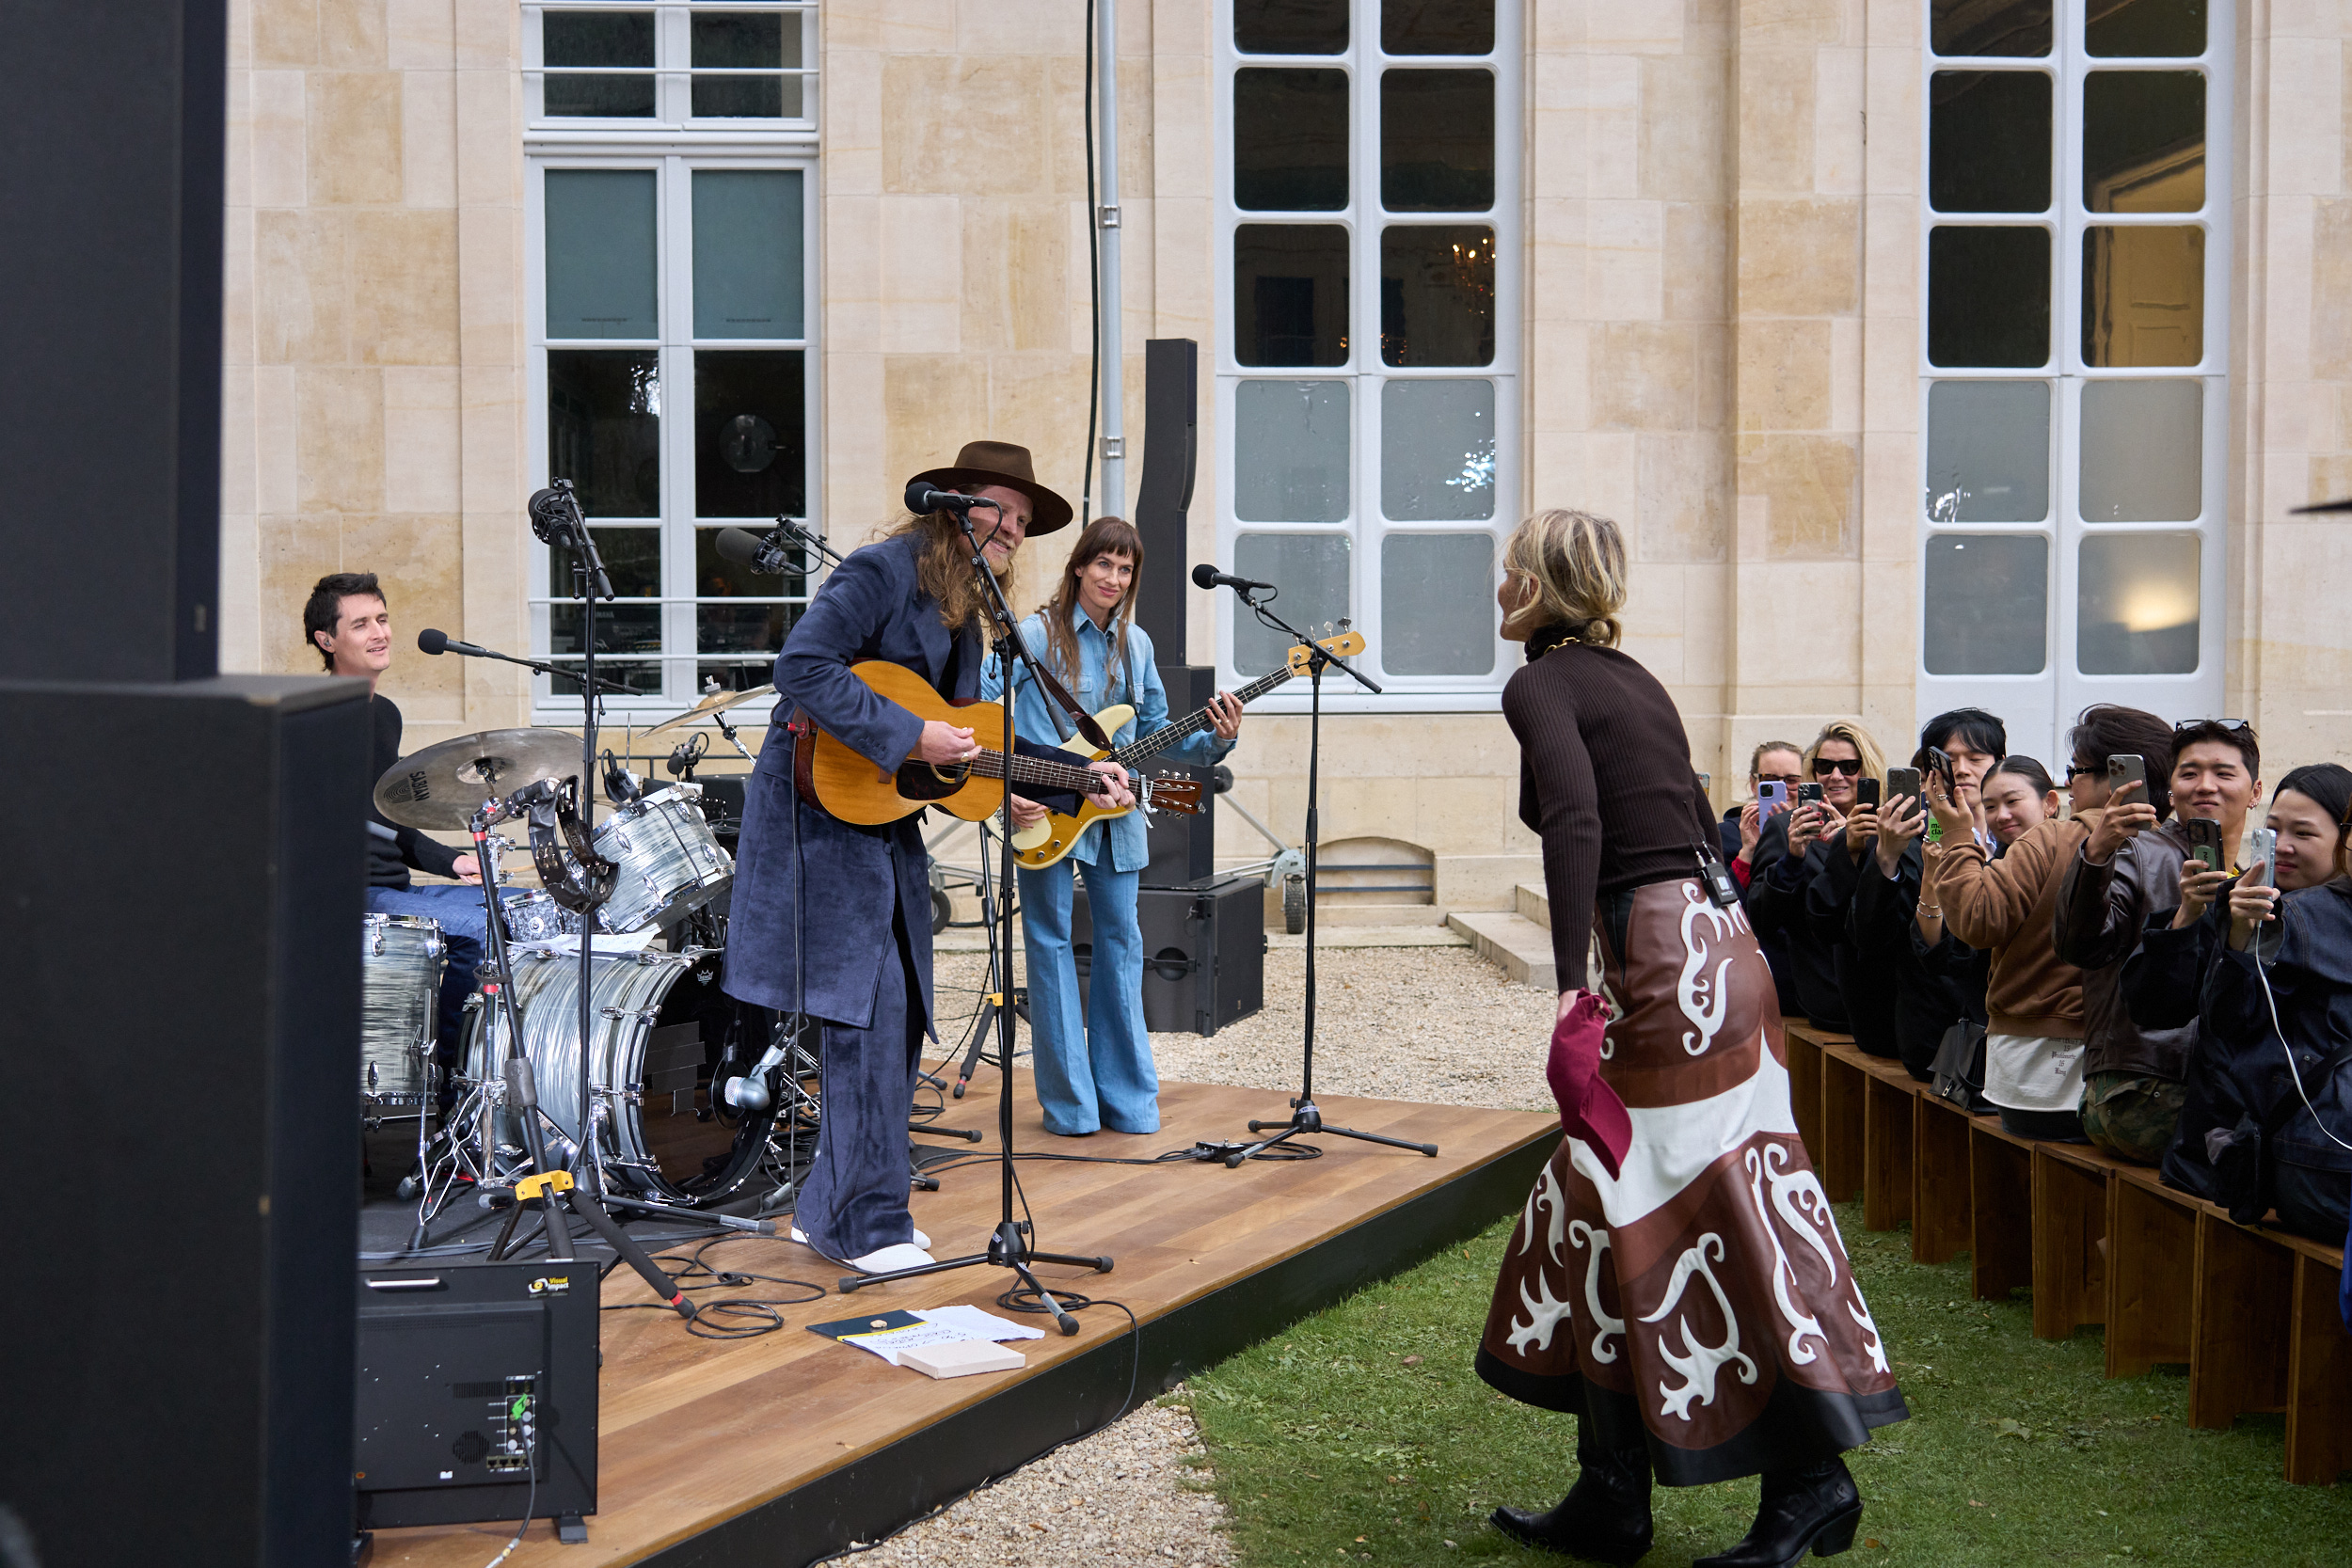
{"x": 1002, "y": 463}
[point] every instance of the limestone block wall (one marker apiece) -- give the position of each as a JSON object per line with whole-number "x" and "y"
{"x": 372, "y": 406}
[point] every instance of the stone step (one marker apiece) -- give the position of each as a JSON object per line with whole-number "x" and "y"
{"x": 1330, "y": 933}
{"x": 1511, "y": 942}
{"x": 1346, "y": 912}
{"x": 1533, "y": 903}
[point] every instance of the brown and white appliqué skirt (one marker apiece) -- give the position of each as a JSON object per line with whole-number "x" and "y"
{"x": 1699, "y": 1304}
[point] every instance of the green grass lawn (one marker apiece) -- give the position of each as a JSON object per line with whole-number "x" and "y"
{"x": 1362, "y": 1431}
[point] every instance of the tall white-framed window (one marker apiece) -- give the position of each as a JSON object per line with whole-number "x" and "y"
{"x": 1368, "y": 345}
{"x": 670, "y": 218}
{"x": 2073, "y": 360}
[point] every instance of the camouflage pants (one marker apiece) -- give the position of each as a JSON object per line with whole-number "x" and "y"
{"x": 2132, "y": 1116}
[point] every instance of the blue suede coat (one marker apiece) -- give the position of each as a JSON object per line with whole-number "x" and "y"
{"x": 871, "y": 607}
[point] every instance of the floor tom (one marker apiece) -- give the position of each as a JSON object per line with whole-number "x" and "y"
{"x": 401, "y": 960}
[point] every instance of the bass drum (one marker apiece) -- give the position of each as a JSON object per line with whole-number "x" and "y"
{"x": 645, "y": 1053}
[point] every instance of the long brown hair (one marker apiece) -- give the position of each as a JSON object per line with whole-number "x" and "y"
{"x": 944, "y": 570}
{"x": 1105, "y": 535}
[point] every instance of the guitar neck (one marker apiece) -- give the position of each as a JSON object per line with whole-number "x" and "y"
{"x": 1198, "y": 718}
{"x": 1036, "y": 770}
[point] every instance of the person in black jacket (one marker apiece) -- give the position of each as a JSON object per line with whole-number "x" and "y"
{"x": 1793, "y": 851}
{"x": 1742, "y": 831}
{"x": 349, "y": 624}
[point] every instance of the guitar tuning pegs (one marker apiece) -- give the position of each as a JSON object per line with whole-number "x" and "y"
{"x": 1345, "y": 623}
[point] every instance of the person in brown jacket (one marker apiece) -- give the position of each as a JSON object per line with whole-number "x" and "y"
{"x": 2033, "y": 1046}
{"x": 2128, "y": 871}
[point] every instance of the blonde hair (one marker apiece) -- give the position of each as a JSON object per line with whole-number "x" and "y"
{"x": 1873, "y": 760}
{"x": 1577, "y": 562}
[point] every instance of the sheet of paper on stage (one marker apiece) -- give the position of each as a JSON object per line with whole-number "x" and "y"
{"x": 887, "y": 1334}
{"x": 981, "y": 1325}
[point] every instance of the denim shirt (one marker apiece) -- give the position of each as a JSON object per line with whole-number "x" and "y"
{"x": 1137, "y": 685}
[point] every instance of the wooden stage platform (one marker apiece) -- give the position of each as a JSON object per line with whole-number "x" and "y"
{"x": 780, "y": 1450}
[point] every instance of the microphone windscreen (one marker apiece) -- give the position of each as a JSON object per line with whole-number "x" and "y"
{"x": 1204, "y": 576}
{"x": 737, "y": 546}
{"x": 431, "y": 641}
{"x": 918, "y": 498}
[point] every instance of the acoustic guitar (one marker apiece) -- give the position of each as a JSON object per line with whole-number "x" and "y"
{"x": 852, "y": 789}
{"x": 1048, "y": 840}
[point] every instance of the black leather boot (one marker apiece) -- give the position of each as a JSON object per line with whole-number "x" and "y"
{"x": 1605, "y": 1517}
{"x": 1810, "y": 1508}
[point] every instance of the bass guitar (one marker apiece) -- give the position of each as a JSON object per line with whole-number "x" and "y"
{"x": 1041, "y": 846}
{"x": 852, "y": 789}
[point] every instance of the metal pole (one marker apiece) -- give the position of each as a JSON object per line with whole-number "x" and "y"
{"x": 1105, "y": 220}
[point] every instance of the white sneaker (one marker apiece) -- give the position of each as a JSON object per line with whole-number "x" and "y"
{"x": 897, "y": 1255}
{"x": 920, "y": 1240}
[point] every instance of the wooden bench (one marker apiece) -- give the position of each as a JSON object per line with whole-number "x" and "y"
{"x": 1941, "y": 1209}
{"x": 2070, "y": 1183}
{"x": 2151, "y": 1254}
{"x": 2266, "y": 1334}
{"x": 2001, "y": 1210}
{"x": 1803, "y": 1045}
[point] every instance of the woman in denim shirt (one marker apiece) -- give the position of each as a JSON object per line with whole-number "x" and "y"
{"x": 1094, "y": 1064}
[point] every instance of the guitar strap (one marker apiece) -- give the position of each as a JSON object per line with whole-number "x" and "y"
{"x": 804, "y": 731}
{"x": 1078, "y": 716}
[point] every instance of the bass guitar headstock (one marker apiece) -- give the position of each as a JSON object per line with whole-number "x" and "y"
{"x": 1347, "y": 645}
{"x": 1170, "y": 793}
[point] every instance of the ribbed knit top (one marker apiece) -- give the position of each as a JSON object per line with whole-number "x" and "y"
{"x": 1605, "y": 780}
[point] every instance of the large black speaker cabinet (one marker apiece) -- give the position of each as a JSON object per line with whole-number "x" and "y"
{"x": 180, "y": 945}
{"x": 1184, "y": 848}
{"x": 1171, "y": 401}
{"x": 1203, "y": 953}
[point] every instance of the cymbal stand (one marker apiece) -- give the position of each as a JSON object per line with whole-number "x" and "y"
{"x": 1306, "y": 1117}
{"x": 1009, "y": 1246}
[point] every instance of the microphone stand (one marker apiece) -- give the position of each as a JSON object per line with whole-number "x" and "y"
{"x": 542, "y": 667}
{"x": 1010, "y": 1246}
{"x": 1306, "y": 1117}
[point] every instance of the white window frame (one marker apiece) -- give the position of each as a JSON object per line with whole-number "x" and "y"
{"x": 2040, "y": 709}
{"x": 1363, "y": 372}
{"x": 672, "y": 71}
{"x": 674, "y": 153}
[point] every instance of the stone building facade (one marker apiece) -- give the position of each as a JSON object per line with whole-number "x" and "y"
{"x": 1712, "y": 316}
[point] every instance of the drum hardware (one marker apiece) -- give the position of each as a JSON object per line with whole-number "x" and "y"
{"x": 713, "y": 703}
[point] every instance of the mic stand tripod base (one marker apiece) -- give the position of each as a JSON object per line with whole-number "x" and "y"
{"x": 1006, "y": 1250}
{"x": 1307, "y": 1120}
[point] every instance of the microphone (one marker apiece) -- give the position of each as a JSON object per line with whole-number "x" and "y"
{"x": 438, "y": 642}
{"x": 923, "y": 499}
{"x": 745, "y": 548}
{"x": 1206, "y": 576}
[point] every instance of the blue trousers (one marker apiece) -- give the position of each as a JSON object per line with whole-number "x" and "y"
{"x": 854, "y": 1199}
{"x": 466, "y": 930}
{"x": 1093, "y": 1063}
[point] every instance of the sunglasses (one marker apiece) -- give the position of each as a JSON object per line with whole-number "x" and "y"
{"x": 2235, "y": 726}
{"x": 1852, "y": 766}
{"x": 2077, "y": 770}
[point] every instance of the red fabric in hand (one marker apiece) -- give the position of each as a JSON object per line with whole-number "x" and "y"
{"x": 1589, "y": 1108}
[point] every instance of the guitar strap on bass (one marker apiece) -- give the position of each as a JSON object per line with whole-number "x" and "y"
{"x": 1088, "y": 728}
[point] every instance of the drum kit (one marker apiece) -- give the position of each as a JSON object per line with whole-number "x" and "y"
{"x": 656, "y": 925}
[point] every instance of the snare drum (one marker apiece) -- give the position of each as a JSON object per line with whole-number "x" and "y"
{"x": 670, "y": 862}
{"x": 401, "y": 960}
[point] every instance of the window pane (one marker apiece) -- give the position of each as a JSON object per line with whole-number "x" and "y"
{"x": 1987, "y": 603}
{"x": 604, "y": 429}
{"x": 2139, "y": 607}
{"x": 1290, "y": 293}
{"x": 1437, "y": 27}
{"x": 745, "y": 672}
{"x": 1290, "y": 26}
{"x": 1989, "y": 141}
{"x": 2143, "y": 295}
{"x": 1437, "y": 141}
{"x": 2146, "y": 29}
{"x": 2013, "y": 27}
{"x": 743, "y": 629}
{"x": 742, "y": 41}
{"x": 621, "y": 629}
{"x": 2143, "y": 452}
{"x": 717, "y": 578}
{"x": 1437, "y": 451}
{"x": 1310, "y": 569}
{"x": 1989, "y": 451}
{"x": 1437, "y": 295}
{"x": 1291, "y": 446}
{"x": 2144, "y": 141}
{"x": 1437, "y": 604}
{"x": 1988, "y": 297}
{"x": 631, "y": 557}
{"x": 751, "y": 440}
{"x": 747, "y": 253}
{"x": 600, "y": 253}
{"x": 1290, "y": 140}
{"x": 597, "y": 39}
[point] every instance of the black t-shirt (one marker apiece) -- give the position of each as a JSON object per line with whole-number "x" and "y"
{"x": 393, "y": 850}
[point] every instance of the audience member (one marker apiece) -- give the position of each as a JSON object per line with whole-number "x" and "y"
{"x": 2033, "y": 1055}
{"x": 2135, "y": 1078}
{"x": 1783, "y": 762}
{"x": 1792, "y": 850}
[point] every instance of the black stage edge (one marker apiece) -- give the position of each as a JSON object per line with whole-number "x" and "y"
{"x": 871, "y": 1497}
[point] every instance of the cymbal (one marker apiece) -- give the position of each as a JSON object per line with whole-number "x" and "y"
{"x": 441, "y": 786}
{"x": 717, "y": 702}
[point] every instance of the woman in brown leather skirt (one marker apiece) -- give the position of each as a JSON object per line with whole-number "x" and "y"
{"x": 1676, "y": 1281}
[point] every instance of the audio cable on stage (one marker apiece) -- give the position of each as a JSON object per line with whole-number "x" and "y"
{"x": 751, "y": 1315}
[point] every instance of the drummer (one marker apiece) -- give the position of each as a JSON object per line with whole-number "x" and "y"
{"x": 351, "y": 627}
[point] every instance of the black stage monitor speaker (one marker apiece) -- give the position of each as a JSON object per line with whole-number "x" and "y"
{"x": 1184, "y": 849}
{"x": 474, "y": 1380}
{"x": 1203, "y": 953}
{"x": 1171, "y": 402}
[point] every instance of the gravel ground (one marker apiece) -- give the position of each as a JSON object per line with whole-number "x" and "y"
{"x": 1119, "y": 1495}
{"x": 1437, "y": 1024}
